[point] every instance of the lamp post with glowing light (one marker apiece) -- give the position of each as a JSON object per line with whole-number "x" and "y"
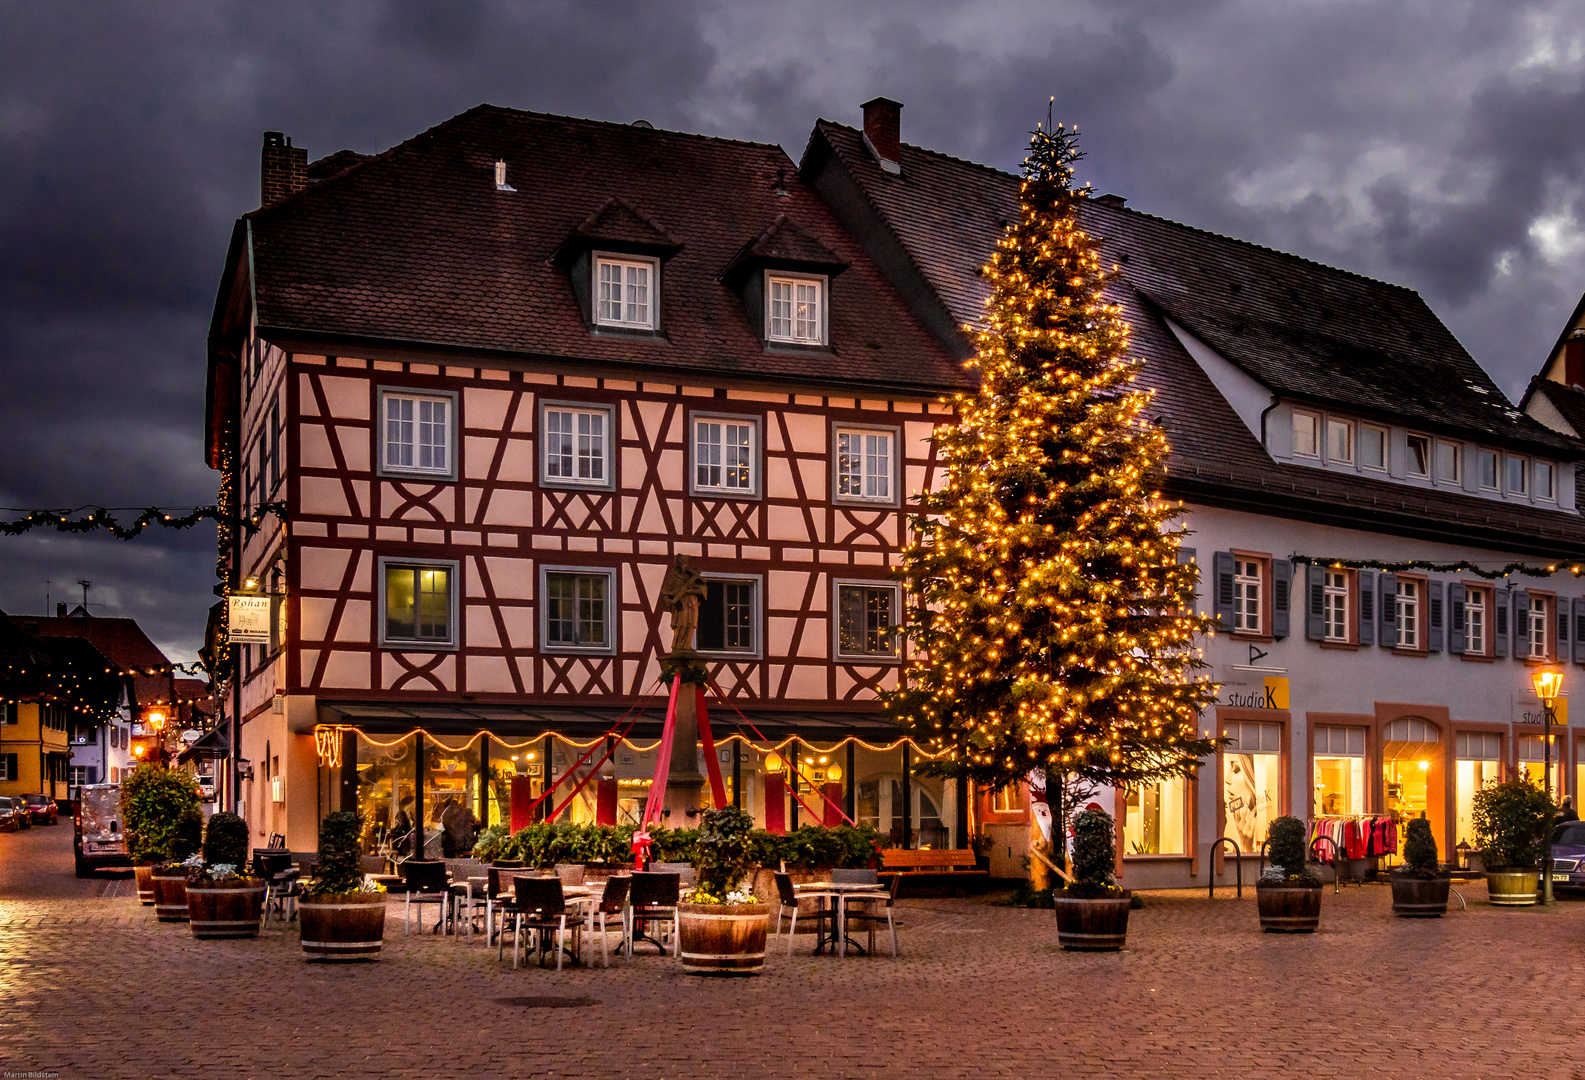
{"x": 1548, "y": 686}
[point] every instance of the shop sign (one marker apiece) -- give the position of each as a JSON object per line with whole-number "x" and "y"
{"x": 248, "y": 619}
{"x": 1530, "y": 713}
{"x": 1272, "y": 693}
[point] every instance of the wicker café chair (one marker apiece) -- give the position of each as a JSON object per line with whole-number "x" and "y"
{"x": 612, "y": 902}
{"x": 655, "y": 898}
{"x": 789, "y": 897}
{"x": 570, "y": 873}
{"x": 540, "y": 907}
{"x": 865, "y": 912}
{"x": 427, "y": 883}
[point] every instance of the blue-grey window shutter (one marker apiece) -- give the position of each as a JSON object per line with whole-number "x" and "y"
{"x": 1387, "y": 632}
{"x": 1222, "y": 600}
{"x": 1456, "y": 595}
{"x": 1521, "y": 623}
{"x": 1499, "y": 607}
{"x": 93, "y": 774}
{"x": 1562, "y": 650}
{"x": 1281, "y": 586}
{"x": 1434, "y": 621}
{"x": 1579, "y": 630}
{"x": 1367, "y": 607}
{"x": 1315, "y": 602}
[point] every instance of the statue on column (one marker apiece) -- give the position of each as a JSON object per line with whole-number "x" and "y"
{"x": 680, "y": 594}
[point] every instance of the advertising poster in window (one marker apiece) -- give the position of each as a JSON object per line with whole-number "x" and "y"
{"x": 1249, "y": 796}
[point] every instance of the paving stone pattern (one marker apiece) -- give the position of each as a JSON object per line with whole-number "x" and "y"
{"x": 96, "y": 987}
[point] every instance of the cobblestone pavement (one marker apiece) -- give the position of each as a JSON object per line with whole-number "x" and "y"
{"x": 95, "y": 987}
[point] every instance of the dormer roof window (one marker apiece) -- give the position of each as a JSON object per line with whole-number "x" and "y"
{"x": 624, "y": 291}
{"x": 795, "y": 309}
{"x": 784, "y": 277}
{"x": 614, "y": 259}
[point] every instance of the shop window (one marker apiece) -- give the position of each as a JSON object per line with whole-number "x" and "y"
{"x": 1251, "y": 781}
{"x": 577, "y": 610}
{"x": 418, "y": 603}
{"x": 1532, "y": 762}
{"x": 879, "y": 802}
{"x": 1479, "y": 764}
{"x": 865, "y": 616}
{"x": 1339, "y": 770}
{"x": 1153, "y": 822}
{"x": 728, "y": 615}
{"x": 1410, "y": 749}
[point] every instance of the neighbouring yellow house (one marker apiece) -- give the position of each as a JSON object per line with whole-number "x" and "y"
{"x": 34, "y": 751}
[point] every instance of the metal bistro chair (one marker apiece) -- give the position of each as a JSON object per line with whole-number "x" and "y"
{"x": 612, "y": 902}
{"x": 498, "y": 892}
{"x": 870, "y": 907}
{"x": 426, "y": 884}
{"x": 281, "y": 885}
{"x": 789, "y": 897}
{"x": 655, "y": 897}
{"x": 540, "y": 907}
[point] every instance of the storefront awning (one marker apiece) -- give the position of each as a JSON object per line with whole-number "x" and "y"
{"x": 383, "y": 718}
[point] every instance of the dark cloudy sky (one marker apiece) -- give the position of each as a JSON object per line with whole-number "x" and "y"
{"x": 1437, "y": 144}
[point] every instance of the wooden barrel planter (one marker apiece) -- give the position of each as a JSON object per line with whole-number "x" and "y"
{"x": 1420, "y": 898}
{"x": 1092, "y": 925}
{"x": 144, "y": 875}
{"x": 1289, "y": 908}
{"x": 722, "y": 939}
{"x": 170, "y": 896}
{"x": 342, "y": 926}
{"x": 221, "y": 910}
{"x": 1512, "y": 888}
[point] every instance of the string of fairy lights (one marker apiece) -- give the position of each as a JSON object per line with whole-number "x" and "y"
{"x": 85, "y": 519}
{"x": 1462, "y": 566}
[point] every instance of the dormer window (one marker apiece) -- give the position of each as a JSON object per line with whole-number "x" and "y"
{"x": 624, "y": 292}
{"x": 795, "y": 309}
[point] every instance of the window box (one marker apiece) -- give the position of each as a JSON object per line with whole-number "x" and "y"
{"x": 418, "y": 604}
{"x": 417, "y": 434}
{"x": 575, "y": 445}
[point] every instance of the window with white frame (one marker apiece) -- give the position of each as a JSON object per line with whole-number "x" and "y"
{"x": 1335, "y": 605}
{"x": 577, "y": 445}
{"x": 8, "y": 767}
{"x": 1545, "y": 487}
{"x": 624, "y": 292}
{"x": 1406, "y": 611}
{"x": 1372, "y": 447}
{"x": 419, "y": 603}
{"x": 577, "y": 610}
{"x": 1538, "y": 620}
{"x": 418, "y": 432}
{"x": 1007, "y": 800}
{"x": 1488, "y": 470}
{"x": 1475, "y": 621}
{"x": 723, "y": 455}
{"x": 795, "y": 310}
{"x": 1306, "y": 434}
{"x": 1449, "y": 462}
{"x": 77, "y": 775}
{"x": 1518, "y": 475}
{"x": 1420, "y": 456}
{"x": 1339, "y": 441}
{"x": 864, "y": 464}
{"x": 865, "y": 616}
{"x": 727, "y": 616}
{"x": 1246, "y": 596}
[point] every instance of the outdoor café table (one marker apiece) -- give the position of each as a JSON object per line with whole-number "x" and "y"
{"x": 839, "y": 929}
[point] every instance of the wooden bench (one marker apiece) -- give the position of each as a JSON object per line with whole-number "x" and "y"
{"x": 956, "y": 869}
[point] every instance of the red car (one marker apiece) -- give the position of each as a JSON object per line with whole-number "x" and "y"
{"x": 41, "y": 809}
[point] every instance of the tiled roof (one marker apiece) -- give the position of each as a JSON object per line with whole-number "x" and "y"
{"x": 1568, "y": 400}
{"x": 1285, "y": 320}
{"x": 415, "y": 245}
{"x": 616, "y": 220}
{"x": 122, "y": 641}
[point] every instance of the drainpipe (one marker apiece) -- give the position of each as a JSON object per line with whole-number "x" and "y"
{"x": 1275, "y": 401}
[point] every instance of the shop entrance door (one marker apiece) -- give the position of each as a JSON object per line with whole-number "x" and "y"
{"x": 1413, "y": 775}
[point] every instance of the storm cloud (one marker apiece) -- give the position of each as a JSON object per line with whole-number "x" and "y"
{"x": 1438, "y": 145}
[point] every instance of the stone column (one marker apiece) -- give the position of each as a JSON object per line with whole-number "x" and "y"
{"x": 684, "y": 782}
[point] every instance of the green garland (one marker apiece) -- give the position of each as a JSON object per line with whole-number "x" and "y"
{"x": 1461, "y": 567}
{"x": 100, "y": 518}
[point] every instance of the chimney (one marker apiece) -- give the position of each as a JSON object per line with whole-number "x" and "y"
{"x": 1116, "y": 202}
{"x": 283, "y": 169}
{"x": 1574, "y": 360}
{"x": 60, "y": 611}
{"x": 883, "y": 132}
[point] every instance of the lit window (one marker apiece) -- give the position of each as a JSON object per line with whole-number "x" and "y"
{"x": 1448, "y": 461}
{"x": 864, "y": 465}
{"x": 1153, "y": 819}
{"x": 1335, "y": 605}
{"x": 418, "y": 433}
{"x": 1251, "y": 781}
{"x": 1543, "y": 481}
{"x": 723, "y": 455}
{"x": 1536, "y": 623}
{"x": 577, "y": 610}
{"x": 1340, "y": 442}
{"x": 1407, "y": 614}
{"x": 1518, "y": 475}
{"x": 625, "y": 295}
{"x": 796, "y": 310}
{"x": 1488, "y": 470}
{"x": 418, "y": 603}
{"x": 1339, "y": 770}
{"x": 576, "y": 447}
{"x": 1007, "y": 800}
{"x": 1373, "y": 447}
{"x": 1420, "y": 455}
{"x": 865, "y": 615}
{"x": 1246, "y": 596}
{"x": 727, "y": 616}
{"x": 1306, "y": 434}
{"x": 1475, "y": 622}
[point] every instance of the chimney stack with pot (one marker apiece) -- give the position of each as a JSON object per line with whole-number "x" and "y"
{"x": 883, "y": 132}
{"x": 283, "y": 169}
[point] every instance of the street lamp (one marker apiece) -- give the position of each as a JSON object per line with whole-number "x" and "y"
{"x": 1548, "y": 685}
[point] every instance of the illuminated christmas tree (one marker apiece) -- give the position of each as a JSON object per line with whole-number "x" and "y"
{"x": 1050, "y": 615}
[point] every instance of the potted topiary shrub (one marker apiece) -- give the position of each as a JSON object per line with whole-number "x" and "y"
{"x": 340, "y": 919}
{"x": 1092, "y": 912}
{"x": 153, "y": 800}
{"x": 1420, "y": 886}
{"x": 1288, "y": 893}
{"x": 721, "y": 929}
{"x": 223, "y": 899}
{"x": 1510, "y": 823}
{"x": 182, "y": 855}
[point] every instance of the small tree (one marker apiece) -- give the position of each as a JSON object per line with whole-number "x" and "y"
{"x": 1419, "y": 852}
{"x": 1510, "y": 823}
{"x": 723, "y": 854}
{"x": 1289, "y": 860}
{"x": 340, "y": 868}
{"x": 158, "y": 806}
{"x": 1094, "y": 855}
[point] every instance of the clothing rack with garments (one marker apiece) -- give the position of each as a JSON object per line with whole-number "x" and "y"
{"x": 1357, "y": 836}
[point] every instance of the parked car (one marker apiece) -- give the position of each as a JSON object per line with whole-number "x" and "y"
{"x": 1568, "y": 855}
{"x": 42, "y": 809}
{"x": 13, "y": 814}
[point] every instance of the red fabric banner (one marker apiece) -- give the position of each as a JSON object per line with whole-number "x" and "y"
{"x": 775, "y": 803}
{"x": 712, "y": 761}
